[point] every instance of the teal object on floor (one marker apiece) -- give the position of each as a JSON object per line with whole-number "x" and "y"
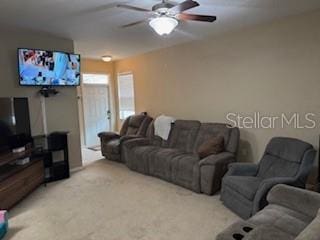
{"x": 3, "y": 223}
{"x": 3, "y": 229}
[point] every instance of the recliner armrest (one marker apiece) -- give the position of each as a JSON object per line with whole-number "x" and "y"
{"x": 242, "y": 169}
{"x": 311, "y": 232}
{"x": 221, "y": 158}
{"x": 301, "y": 200}
{"x": 107, "y": 136}
{"x": 136, "y": 142}
{"x": 260, "y": 199}
{"x": 129, "y": 137}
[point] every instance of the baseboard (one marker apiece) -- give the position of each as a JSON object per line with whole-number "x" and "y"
{"x": 76, "y": 169}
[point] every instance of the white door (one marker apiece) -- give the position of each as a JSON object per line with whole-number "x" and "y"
{"x": 96, "y": 111}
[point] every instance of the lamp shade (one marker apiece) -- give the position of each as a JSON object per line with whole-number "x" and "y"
{"x": 163, "y": 25}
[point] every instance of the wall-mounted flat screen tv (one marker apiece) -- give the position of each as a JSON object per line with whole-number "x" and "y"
{"x": 48, "y": 68}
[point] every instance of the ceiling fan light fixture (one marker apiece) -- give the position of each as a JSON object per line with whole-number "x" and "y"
{"x": 106, "y": 58}
{"x": 164, "y": 25}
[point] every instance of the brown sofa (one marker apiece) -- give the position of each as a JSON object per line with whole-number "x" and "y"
{"x": 176, "y": 160}
{"x": 133, "y": 127}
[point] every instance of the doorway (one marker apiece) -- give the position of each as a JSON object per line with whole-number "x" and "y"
{"x": 96, "y": 113}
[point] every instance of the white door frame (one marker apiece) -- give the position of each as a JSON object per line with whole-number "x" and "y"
{"x": 107, "y": 86}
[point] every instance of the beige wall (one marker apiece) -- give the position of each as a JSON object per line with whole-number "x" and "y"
{"x": 273, "y": 68}
{"x": 99, "y": 67}
{"x": 62, "y": 110}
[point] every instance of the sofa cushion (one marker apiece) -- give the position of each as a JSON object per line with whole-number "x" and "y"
{"x": 279, "y": 220}
{"x": 312, "y": 231}
{"x": 283, "y": 218}
{"x": 183, "y": 168}
{"x": 209, "y": 130}
{"x": 301, "y": 200}
{"x": 213, "y": 145}
{"x": 268, "y": 232}
{"x": 139, "y": 158}
{"x": 183, "y": 135}
{"x": 246, "y": 186}
{"x": 243, "y": 230}
{"x": 160, "y": 162}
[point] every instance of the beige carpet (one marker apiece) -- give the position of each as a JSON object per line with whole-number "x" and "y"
{"x": 89, "y": 156}
{"x": 106, "y": 201}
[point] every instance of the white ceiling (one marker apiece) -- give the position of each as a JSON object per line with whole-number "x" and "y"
{"x": 94, "y": 25}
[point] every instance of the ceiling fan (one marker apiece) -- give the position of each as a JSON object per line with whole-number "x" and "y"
{"x": 167, "y": 15}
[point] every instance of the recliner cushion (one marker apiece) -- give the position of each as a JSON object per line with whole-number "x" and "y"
{"x": 246, "y": 186}
{"x": 132, "y": 130}
{"x": 136, "y": 120}
{"x": 289, "y": 149}
{"x": 272, "y": 166}
{"x": 133, "y": 125}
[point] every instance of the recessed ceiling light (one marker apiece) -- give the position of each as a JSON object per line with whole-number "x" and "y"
{"x": 106, "y": 58}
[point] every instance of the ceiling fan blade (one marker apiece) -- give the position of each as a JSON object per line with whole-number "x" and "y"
{"x": 184, "y": 6}
{"x": 194, "y": 17}
{"x": 133, "y": 8}
{"x": 133, "y": 24}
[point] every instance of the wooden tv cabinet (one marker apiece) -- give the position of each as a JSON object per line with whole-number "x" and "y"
{"x": 17, "y": 181}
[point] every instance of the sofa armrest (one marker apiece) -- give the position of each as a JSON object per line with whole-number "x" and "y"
{"x": 312, "y": 231}
{"x": 221, "y": 158}
{"x": 212, "y": 169}
{"x": 297, "y": 199}
{"x": 129, "y": 137}
{"x": 242, "y": 169}
{"x": 107, "y": 136}
{"x": 260, "y": 199}
{"x": 136, "y": 142}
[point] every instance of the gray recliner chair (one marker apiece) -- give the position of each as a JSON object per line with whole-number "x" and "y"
{"x": 245, "y": 186}
{"x": 292, "y": 214}
{"x": 133, "y": 127}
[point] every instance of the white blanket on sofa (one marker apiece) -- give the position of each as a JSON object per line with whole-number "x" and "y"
{"x": 162, "y": 126}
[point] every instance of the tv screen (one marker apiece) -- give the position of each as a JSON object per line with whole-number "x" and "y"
{"x": 14, "y": 122}
{"x": 48, "y": 68}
